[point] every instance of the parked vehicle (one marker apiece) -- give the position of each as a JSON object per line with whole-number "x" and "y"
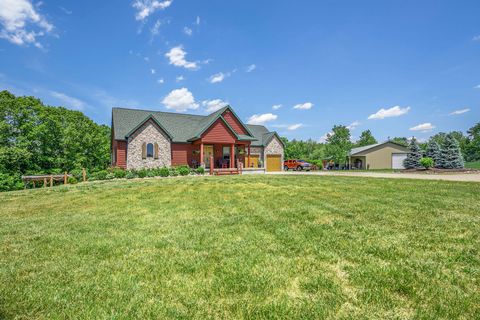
{"x": 296, "y": 165}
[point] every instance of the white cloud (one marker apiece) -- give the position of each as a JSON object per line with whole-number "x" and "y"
{"x": 187, "y": 31}
{"x": 213, "y": 105}
{"x": 218, "y": 77}
{"x": 161, "y": 81}
{"x": 156, "y": 28}
{"x": 477, "y": 87}
{"x": 250, "y": 68}
{"x": 262, "y": 118}
{"x": 152, "y": 71}
{"x": 424, "y": 127}
{"x": 387, "y": 113}
{"x": 179, "y": 78}
{"x": 476, "y": 38}
{"x": 197, "y": 21}
{"x": 70, "y": 102}
{"x": 353, "y": 125}
{"x": 15, "y": 15}
{"x": 177, "y": 55}
{"x": 180, "y": 100}
{"x": 303, "y": 106}
{"x": 147, "y": 7}
{"x": 276, "y": 106}
{"x": 461, "y": 111}
{"x": 295, "y": 126}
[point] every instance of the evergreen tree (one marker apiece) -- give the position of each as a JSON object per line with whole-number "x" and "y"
{"x": 413, "y": 158}
{"x": 434, "y": 152}
{"x": 450, "y": 154}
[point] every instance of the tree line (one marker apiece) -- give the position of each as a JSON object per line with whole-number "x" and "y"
{"x": 35, "y": 139}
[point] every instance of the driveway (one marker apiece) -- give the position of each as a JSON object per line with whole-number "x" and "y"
{"x": 472, "y": 177}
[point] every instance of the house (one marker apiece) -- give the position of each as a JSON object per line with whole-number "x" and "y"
{"x": 386, "y": 155}
{"x": 150, "y": 139}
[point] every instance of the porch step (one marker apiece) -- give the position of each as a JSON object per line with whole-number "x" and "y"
{"x": 223, "y": 172}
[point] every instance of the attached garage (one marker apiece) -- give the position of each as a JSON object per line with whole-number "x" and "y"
{"x": 254, "y": 160}
{"x": 386, "y": 155}
{"x": 274, "y": 162}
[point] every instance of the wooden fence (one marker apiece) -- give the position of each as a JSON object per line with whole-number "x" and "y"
{"x": 47, "y": 179}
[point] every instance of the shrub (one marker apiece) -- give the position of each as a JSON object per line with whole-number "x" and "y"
{"x": 100, "y": 175}
{"x": 119, "y": 173}
{"x": 142, "y": 173}
{"x": 200, "y": 170}
{"x": 110, "y": 176}
{"x": 131, "y": 174}
{"x": 426, "y": 162}
{"x": 173, "y": 172}
{"x": 183, "y": 170}
{"x": 164, "y": 172}
{"x": 10, "y": 182}
{"x": 77, "y": 173}
{"x": 72, "y": 180}
{"x": 151, "y": 173}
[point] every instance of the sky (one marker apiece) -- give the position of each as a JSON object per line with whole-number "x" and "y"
{"x": 399, "y": 68}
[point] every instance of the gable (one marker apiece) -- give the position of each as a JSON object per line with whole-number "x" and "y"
{"x": 219, "y": 132}
{"x": 233, "y": 121}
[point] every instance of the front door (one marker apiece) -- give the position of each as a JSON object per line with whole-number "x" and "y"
{"x": 207, "y": 153}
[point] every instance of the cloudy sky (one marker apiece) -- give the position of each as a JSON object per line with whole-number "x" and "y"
{"x": 399, "y": 68}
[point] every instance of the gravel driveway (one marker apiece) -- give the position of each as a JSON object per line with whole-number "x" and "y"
{"x": 473, "y": 177}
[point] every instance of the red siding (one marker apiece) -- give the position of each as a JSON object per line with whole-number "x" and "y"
{"x": 182, "y": 154}
{"x": 218, "y": 133}
{"x": 121, "y": 156}
{"x": 233, "y": 122}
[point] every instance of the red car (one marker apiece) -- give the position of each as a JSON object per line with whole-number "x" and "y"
{"x": 296, "y": 165}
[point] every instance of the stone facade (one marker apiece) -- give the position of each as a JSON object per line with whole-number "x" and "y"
{"x": 273, "y": 147}
{"x": 149, "y": 132}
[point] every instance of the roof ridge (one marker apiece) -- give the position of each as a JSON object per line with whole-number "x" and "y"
{"x": 167, "y": 112}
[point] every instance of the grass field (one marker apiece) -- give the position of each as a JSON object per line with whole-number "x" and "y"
{"x": 257, "y": 247}
{"x": 473, "y": 165}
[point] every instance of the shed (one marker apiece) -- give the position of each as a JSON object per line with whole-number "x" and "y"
{"x": 386, "y": 155}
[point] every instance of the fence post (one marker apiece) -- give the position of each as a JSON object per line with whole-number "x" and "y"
{"x": 84, "y": 174}
{"x": 44, "y": 182}
{"x": 51, "y": 181}
{"x": 65, "y": 179}
{"x": 211, "y": 165}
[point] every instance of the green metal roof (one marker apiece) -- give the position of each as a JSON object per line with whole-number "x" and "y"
{"x": 180, "y": 127}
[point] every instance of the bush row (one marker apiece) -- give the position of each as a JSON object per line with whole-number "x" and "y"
{"x": 118, "y": 173}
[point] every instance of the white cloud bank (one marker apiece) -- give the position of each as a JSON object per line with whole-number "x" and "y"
{"x": 424, "y": 127}
{"x": 213, "y": 105}
{"x": 70, "y": 102}
{"x": 388, "y": 113}
{"x": 276, "y": 106}
{"x": 353, "y": 125}
{"x": 188, "y": 31}
{"x": 218, "y": 77}
{"x": 250, "y": 68}
{"x": 261, "y": 118}
{"x": 303, "y": 106}
{"x": 294, "y": 126}
{"x": 147, "y": 7}
{"x": 16, "y": 16}
{"x": 461, "y": 111}
{"x": 176, "y": 57}
{"x": 180, "y": 100}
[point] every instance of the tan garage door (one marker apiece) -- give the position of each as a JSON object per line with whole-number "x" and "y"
{"x": 253, "y": 160}
{"x": 274, "y": 163}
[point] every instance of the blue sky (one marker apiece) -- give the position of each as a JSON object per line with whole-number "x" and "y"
{"x": 399, "y": 68}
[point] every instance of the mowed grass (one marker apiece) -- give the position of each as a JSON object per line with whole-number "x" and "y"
{"x": 473, "y": 165}
{"x": 242, "y": 247}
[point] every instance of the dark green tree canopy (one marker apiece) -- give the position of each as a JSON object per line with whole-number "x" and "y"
{"x": 366, "y": 138}
{"x": 413, "y": 158}
{"x": 338, "y": 144}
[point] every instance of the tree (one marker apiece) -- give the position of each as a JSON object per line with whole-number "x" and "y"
{"x": 413, "y": 158}
{"x": 338, "y": 144}
{"x": 366, "y": 138}
{"x": 451, "y": 154}
{"x": 433, "y": 151}
{"x": 472, "y": 149}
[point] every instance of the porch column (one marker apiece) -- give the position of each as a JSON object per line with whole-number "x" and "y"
{"x": 232, "y": 155}
{"x": 202, "y": 164}
{"x": 248, "y": 156}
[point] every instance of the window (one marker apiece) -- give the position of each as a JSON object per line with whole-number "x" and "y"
{"x": 150, "y": 150}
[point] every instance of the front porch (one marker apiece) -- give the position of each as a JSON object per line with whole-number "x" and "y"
{"x": 225, "y": 156}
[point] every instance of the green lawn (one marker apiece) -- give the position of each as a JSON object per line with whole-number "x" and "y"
{"x": 252, "y": 247}
{"x": 473, "y": 165}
